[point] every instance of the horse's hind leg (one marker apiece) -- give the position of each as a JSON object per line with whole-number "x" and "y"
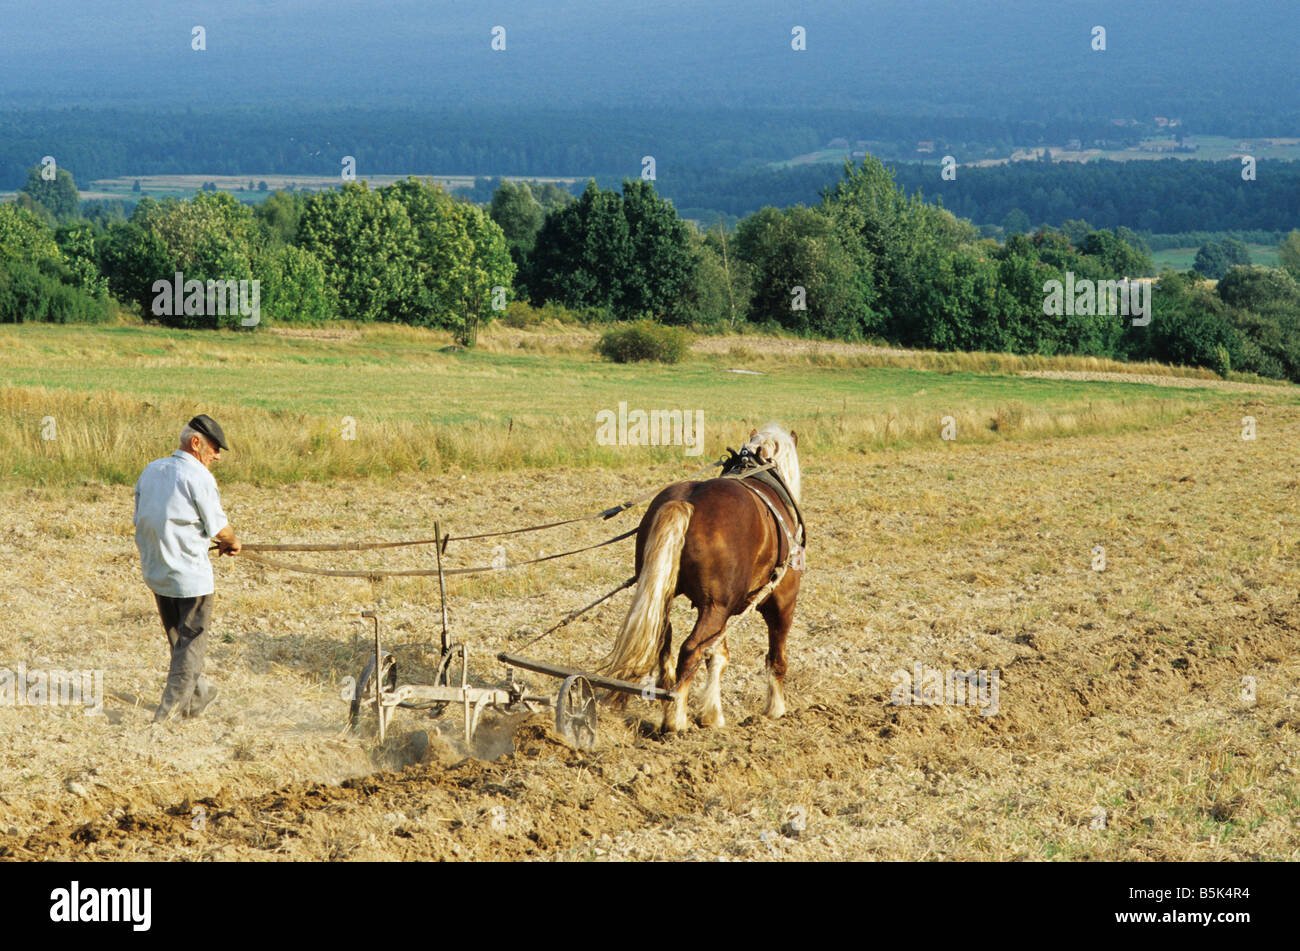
{"x": 666, "y": 658}
{"x": 778, "y": 612}
{"x": 711, "y": 715}
{"x": 708, "y": 626}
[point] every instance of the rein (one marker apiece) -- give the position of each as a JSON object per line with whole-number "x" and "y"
{"x": 414, "y": 572}
{"x": 446, "y": 539}
{"x": 253, "y": 551}
{"x": 738, "y": 465}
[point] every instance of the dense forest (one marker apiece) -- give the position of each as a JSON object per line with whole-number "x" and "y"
{"x": 710, "y": 167}
{"x": 869, "y": 261}
{"x": 1156, "y": 197}
{"x": 106, "y": 143}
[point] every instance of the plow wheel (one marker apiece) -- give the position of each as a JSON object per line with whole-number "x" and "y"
{"x": 575, "y": 712}
{"x": 363, "y": 695}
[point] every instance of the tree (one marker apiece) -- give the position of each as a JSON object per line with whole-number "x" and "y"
{"x": 958, "y": 306}
{"x": 805, "y": 280}
{"x": 582, "y": 252}
{"x": 459, "y": 256}
{"x": 1237, "y": 252}
{"x": 1288, "y": 253}
{"x": 103, "y": 212}
{"x": 735, "y": 273}
{"x": 479, "y": 264}
{"x": 520, "y": 217}
{"x": 1016, "y": 222}
{"x": 1215, "y": 257}
{"x": 77, "y": 246}
{"x": 1211, "y": 261}
{"x": 30, "y": 205}
{"x": 210, "y": 237}
{"x": 132, "y": 258}
{"x": 208, "y": 226}
{"x": 59, "y": 195}
{"x": 889, "y": 237}
{"x": 717, "y": 291}
{"x": 1133, "y": 240}
{"x": 1261, "y": 289}
{"x": 45, "y": 292}
{"x": 518, "y": 213}
{"x": 629, "y": 253}
{"x": 37, "y": 281}
{"x": 1076, "y": 230}
{"x": 1191, "y": 326}
{"x": 661, "y": 262}
{"x": 1117, "y": 258}
{"x": 280, "y": 214}
{"x": 366, "y": 244}
{"x": 551, "y": 196}
{"x": 294, "y": 288}
{"x": 24, "y": 237}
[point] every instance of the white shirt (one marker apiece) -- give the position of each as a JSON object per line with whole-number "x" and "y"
{"x": 177, "y": 510}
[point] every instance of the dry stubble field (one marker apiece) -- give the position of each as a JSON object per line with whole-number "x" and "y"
{"x": 1149, "y": 710}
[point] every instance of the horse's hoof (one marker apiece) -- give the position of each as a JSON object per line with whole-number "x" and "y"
{"x": 715, "y": 722}
{"x": 675, "y": 725}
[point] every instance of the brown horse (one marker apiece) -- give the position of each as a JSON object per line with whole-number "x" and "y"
{"x": 729, "y": 545}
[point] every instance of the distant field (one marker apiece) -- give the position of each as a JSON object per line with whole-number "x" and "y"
{"x": 1181, "y": 259}
{"x": 247, "y": 186}
{"x": 1209, "y": 148}
{"x": 821, "y": 156}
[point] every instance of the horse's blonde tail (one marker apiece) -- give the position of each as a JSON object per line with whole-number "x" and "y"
{"x": 636, "y": 651}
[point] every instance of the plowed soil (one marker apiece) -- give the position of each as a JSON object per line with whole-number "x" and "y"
{"x": 1148, "y": 703}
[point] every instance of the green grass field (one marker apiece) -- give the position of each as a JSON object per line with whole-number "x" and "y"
{"x": 1181, "y": 259}
{"x": 117, "y": 393}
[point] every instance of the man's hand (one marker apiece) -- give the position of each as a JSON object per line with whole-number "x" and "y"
{"x": 227, "y": 544}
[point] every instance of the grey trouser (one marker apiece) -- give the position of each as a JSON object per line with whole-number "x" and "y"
{"x": 186, "y": 621}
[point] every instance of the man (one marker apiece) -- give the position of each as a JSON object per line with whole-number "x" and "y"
{"x": 177, "y": 511}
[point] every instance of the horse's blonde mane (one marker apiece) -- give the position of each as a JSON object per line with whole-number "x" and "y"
{"x": 773, "y": 444}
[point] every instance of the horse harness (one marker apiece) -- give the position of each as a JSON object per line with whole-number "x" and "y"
{"x": 746, "y": 468}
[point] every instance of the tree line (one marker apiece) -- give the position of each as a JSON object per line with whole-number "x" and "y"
{"x": 1152, "y": 197}
{"x": 869, "y": 261}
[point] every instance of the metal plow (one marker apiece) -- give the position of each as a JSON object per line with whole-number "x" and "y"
{"x": 379, "y": 694}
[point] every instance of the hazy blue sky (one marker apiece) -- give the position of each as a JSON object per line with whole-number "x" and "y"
{"x": 975, "y": 56}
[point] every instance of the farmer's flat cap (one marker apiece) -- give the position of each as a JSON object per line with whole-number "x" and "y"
{"x": 206, "y": 425}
